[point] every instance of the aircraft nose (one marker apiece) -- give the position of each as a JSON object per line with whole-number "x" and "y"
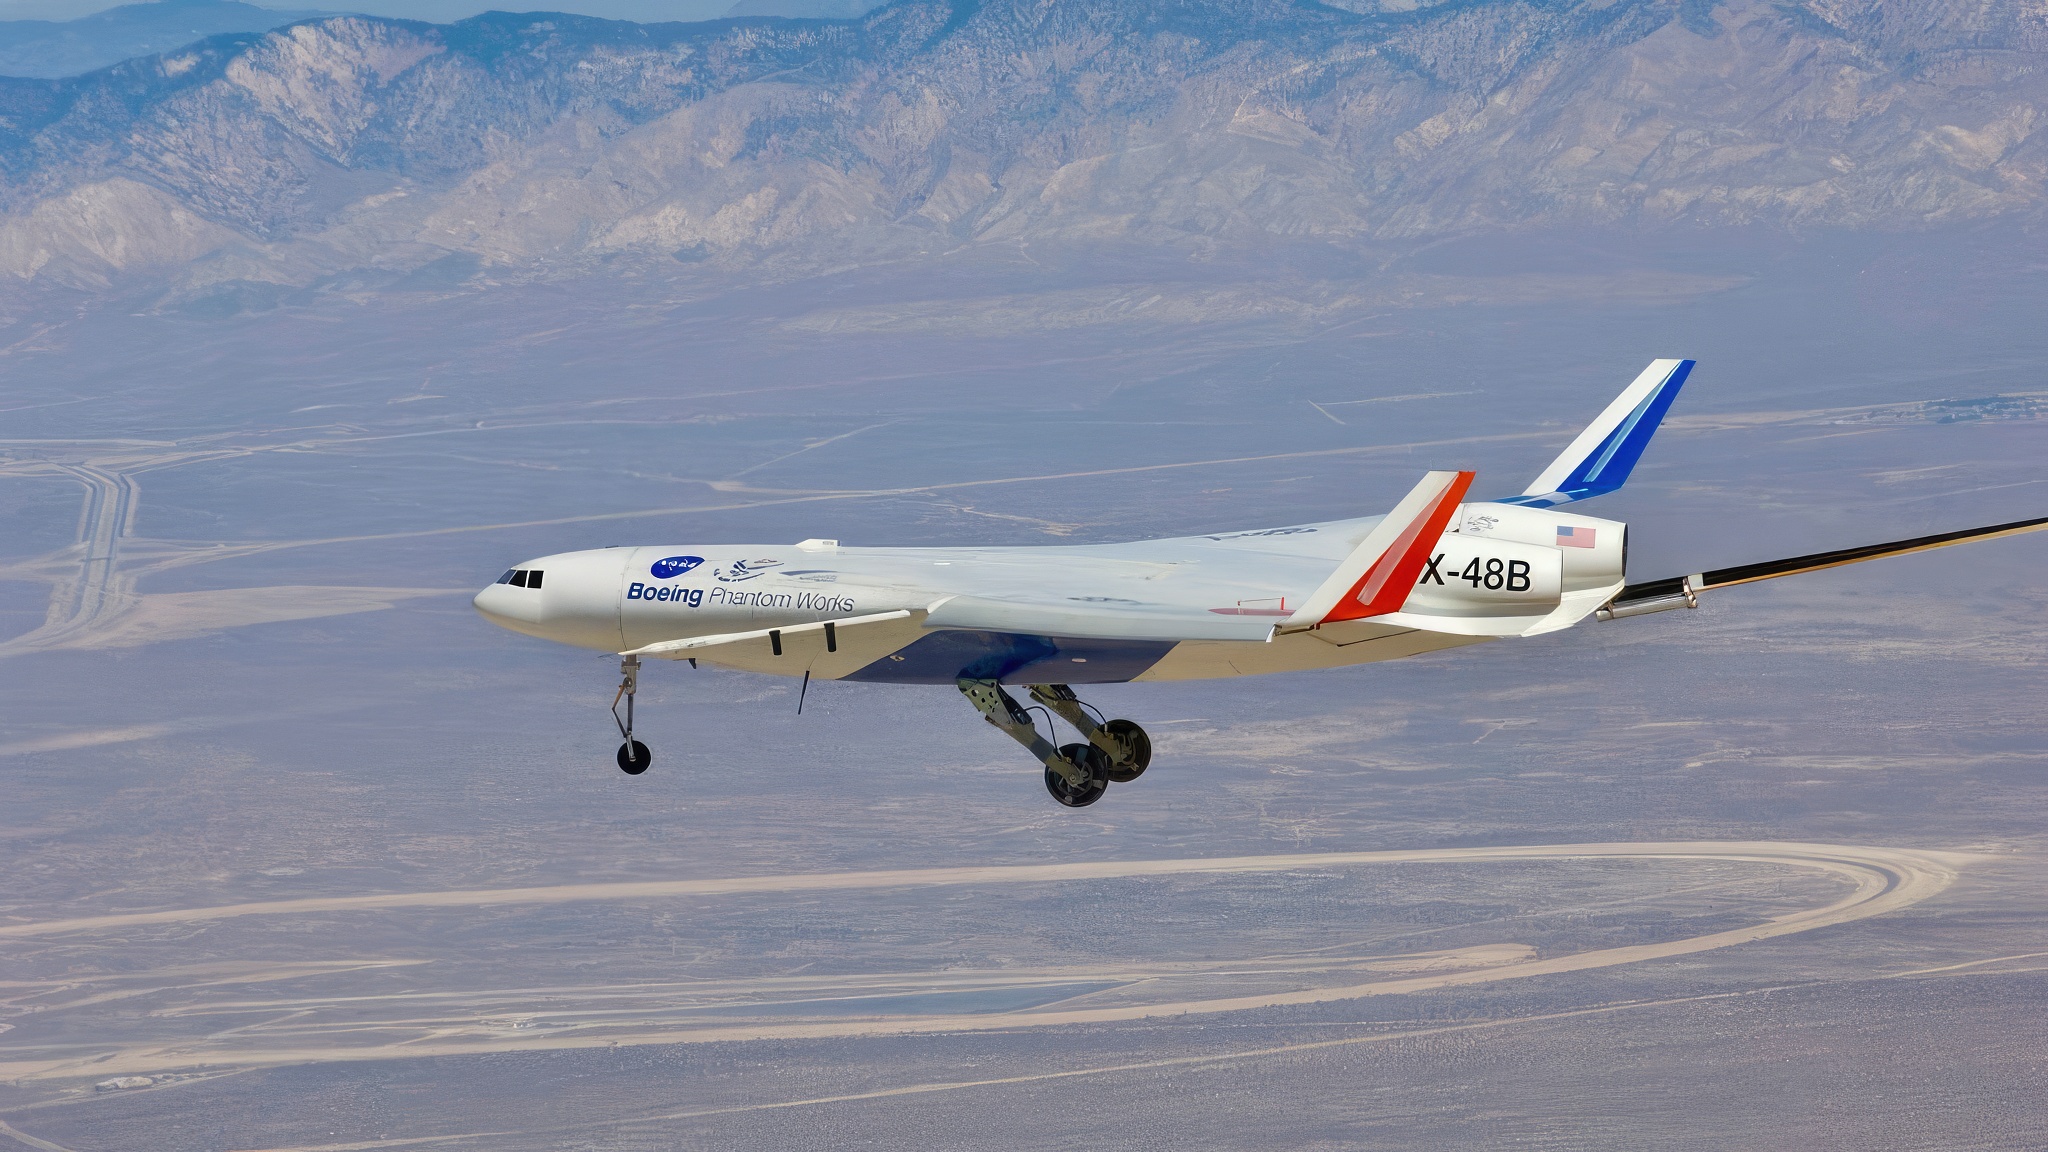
{"x": 506, "y": 606}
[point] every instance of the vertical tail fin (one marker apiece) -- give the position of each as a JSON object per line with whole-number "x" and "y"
{"x": 1380, "y": 573}
{"x": 1603, "y": 455}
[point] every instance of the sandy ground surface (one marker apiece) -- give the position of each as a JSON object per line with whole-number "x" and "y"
{"x": 1881, "y": 881}
{"x": 301, "y": 854}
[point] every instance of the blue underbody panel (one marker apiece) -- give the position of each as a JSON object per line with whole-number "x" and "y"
{"x": 946, "y": 656}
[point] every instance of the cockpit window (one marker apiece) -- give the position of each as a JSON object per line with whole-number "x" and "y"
{"x": 519, "y": 578}
{"x": 507, "y": 577}
{"x": 533, "y": 578}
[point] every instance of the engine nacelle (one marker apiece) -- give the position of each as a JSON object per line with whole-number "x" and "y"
{"x": 1476, "y": 576}
{"x": 1593, "y": 552}
{"x": 1508, "y": 570}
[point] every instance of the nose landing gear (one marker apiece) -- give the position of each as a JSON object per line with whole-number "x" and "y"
{"x": 633, "y": 755}
{"x": 1075, "y": 774}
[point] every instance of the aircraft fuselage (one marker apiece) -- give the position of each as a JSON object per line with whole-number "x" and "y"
{"x": 620, "y": 599}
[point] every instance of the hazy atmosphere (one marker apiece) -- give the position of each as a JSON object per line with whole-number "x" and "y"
{"x": 308, "y": 332}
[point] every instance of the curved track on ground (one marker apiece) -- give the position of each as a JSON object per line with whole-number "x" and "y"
{"x": 1883, "y": 880}
{"x": 99, "y": 587}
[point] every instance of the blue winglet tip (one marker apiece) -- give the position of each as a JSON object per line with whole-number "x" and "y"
{"x": 1608, "y": 465}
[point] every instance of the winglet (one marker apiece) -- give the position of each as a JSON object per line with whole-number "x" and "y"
{"x": 1380, "y": 573}
{"x": 1602, "y": 456}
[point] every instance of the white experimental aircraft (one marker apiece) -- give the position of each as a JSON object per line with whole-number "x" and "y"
{"x": 1437, "y": 572}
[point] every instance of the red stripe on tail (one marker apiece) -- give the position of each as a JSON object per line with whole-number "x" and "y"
{"x": 1385, "y": 586}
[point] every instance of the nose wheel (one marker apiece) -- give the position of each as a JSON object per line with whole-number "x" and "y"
{"x": 633, "y": 755}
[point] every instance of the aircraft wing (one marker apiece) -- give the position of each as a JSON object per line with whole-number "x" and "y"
{"x": 1682, "y": 591}
{"x": 1105, "y": 619}
{"x": 833, "y": 648}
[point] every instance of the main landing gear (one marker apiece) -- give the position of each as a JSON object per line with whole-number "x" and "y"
{"x": 1076, "y": 774}
{"x": 633, "y": 755}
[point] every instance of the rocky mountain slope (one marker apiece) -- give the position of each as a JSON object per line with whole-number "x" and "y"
{"x": 540, "y": 145}
{"x": 103, "y": 39}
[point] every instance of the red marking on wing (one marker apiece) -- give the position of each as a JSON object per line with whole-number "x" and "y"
{"x": 1385, "y": 586}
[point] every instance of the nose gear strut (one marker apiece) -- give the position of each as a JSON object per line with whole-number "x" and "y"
{"x": 633, "y": 755}
{"x": 1075, "y": 774}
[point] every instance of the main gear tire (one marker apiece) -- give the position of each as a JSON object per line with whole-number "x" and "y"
{"x": 1093, "y": 763}
{"x": 1132, "y": 737}
{"x": 634, "y": 757}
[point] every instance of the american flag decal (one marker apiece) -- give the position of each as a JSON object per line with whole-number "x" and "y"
{"x": 1575, "y": 537}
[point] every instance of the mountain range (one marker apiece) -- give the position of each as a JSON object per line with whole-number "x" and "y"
{"x": 50, "y": 48}
{"x": 252, "y": 163}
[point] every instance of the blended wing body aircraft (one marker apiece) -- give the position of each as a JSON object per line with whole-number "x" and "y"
{"x": 1436, "y": 572}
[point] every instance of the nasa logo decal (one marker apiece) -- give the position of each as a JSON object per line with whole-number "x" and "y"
{"x": 669, "y": 567}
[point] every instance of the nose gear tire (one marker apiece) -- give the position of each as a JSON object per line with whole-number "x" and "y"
{"x": 1090, "y": 760}
{"x": 634, "y": 757}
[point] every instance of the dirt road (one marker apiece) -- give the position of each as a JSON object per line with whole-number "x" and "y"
{"x": 1883, "y": 880}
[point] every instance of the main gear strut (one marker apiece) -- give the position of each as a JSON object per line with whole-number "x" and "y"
{"x": 1076, "y": 774}
{"x": 1128, "y": 748}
